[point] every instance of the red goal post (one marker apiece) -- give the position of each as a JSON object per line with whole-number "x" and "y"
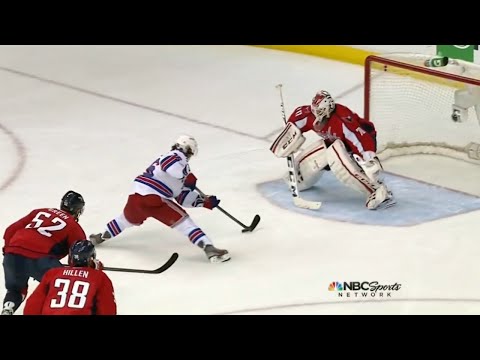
{"x": 411, "y": 106}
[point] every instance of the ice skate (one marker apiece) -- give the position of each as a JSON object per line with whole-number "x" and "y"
{"x": 8, "y": 308}
{"x": 216, "y": 255}
{"x": 388, "y": 202}
{"x": 97, "y": 239}
{"x": 382, "y": 198}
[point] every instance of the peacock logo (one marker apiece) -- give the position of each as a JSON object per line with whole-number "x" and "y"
{"x": 363, "y": 289}
{"x": 335, "y": 285}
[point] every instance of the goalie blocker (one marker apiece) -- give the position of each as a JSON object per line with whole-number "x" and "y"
{"x": 360, "y": 174}
{"x": 288, "y": 142}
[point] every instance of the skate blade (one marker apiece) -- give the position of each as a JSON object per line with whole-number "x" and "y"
{"x": 219, "y": 259}
{"x": 387, "y": 204}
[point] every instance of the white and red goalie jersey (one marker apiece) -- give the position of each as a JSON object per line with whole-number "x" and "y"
{"x": 346, "y": 146}
{"x": 358, "y": 134}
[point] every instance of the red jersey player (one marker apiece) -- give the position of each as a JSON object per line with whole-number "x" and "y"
{"x": 347, "y": 146}
{"x": 36, "y": 243}
{"x": 81, "y": 288}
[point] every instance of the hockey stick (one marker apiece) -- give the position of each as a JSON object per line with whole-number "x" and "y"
{"x": 246, "y": 228}
{"x": 159, "y": 270}
{"x": 292, "y": 170}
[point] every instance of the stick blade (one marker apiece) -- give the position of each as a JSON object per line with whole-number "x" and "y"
{"x": 253, "y": 225}
{"x": 167, "y": 265}
{"x": 305, "y": 204}
{"x": 159, "y": 270}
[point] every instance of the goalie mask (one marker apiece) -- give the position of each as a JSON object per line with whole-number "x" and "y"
{"x": 322, "y": 107}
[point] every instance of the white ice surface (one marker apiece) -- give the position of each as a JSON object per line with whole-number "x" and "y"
{"x": 226, "y": 97}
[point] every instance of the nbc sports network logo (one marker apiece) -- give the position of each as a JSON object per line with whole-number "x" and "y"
{"x": 363, "y": 289}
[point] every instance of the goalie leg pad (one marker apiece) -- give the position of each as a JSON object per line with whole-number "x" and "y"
{"x": 347, "y": 171}
{"x": 288, "y": 142}
{"x": 310, "y": 163}
{"x": 372, "y": 168}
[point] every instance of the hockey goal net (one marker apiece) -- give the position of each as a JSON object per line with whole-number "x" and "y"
{"x": 411, "y": 105}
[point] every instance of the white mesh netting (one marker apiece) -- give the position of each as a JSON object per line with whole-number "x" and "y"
{"x": 412, "y": 108}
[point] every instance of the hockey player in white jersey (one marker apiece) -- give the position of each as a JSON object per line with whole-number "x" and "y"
{"x": 158, "y": 192}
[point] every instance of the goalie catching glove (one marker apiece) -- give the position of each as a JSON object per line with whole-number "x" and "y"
{"x": 288, "y": 142}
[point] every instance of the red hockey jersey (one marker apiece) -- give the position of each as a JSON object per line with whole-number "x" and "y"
{"x": 43, "y": 232}
{"x": 358, "y": 134}
{"x": 72, "y": 291}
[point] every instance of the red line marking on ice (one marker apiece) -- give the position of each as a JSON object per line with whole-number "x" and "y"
{"x": 21, "y": 154}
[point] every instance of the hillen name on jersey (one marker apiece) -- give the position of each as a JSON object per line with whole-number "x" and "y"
{"x": 79, "y": 273}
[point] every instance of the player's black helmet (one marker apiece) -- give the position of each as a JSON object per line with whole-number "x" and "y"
{"x": 82, "y": 253}
{"x": 73, "y": 203}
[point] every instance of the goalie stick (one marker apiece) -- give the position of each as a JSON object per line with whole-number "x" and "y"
{"x": 292, "y": 170}
{"x": 159, "y": 270}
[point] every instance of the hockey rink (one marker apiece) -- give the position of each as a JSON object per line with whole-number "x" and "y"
{"x": 91, "y": 118}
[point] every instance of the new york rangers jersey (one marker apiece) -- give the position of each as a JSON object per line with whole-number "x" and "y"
{"x": 165, "y": 178}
